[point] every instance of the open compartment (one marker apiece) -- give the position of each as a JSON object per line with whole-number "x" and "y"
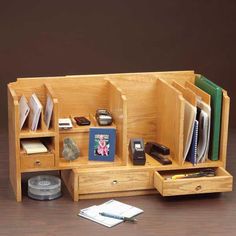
{"x": 151, "y": 104}
{"x": 167, "y": 185}
{"x": 83, "y": 99}
{"x": 42, "y": 91}
{"x": 38, "y": 159}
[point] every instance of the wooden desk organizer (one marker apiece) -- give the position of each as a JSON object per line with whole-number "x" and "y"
{"x": 143, "y": 105}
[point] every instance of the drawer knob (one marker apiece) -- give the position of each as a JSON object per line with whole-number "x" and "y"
{"x": 37, "y": 163}
{"x": 114, "y": 182}
{"x": 199, "y": 187}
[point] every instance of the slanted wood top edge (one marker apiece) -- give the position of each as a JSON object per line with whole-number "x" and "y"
{"x": 102, "y": 75}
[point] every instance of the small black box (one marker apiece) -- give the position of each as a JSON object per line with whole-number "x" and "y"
{"x": 136, "y": 151}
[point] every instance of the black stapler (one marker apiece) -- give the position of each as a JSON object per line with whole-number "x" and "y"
{"x": 158, "y": 152}
{"x": 136, "y": 151}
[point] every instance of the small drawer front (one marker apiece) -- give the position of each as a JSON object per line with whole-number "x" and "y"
{"x": 37, "y": 161}
{"x": 222, "y": 182}
{"x": 111, "y": 181}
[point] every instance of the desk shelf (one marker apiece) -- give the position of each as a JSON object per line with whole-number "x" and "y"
{"x": 145, "y": 105}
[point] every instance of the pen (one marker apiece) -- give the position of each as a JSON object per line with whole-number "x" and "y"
{"x": 128, "y": 219}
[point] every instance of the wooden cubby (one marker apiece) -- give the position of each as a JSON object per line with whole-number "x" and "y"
{"x": 146, "y": 105}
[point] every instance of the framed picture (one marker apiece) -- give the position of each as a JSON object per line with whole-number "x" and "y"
{"x": 102, "y": 142}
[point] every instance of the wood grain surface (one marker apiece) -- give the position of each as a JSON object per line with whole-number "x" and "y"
{"x": 207, "y": 214}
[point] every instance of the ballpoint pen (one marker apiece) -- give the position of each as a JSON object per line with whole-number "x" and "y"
{"x": 127, "y": 219}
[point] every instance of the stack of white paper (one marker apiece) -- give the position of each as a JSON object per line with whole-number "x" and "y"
{"x": 113, "y": 207}
{"x": 32, "y": 146}
{"x": 35, "y": 111}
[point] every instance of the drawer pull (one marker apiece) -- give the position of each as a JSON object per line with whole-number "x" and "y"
{"x": 37, "y": 163}
{"x": 199, "y": 187}
{"x": 114, "y": 182}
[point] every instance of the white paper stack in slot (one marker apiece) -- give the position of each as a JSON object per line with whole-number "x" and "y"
{"x": 35, "y": 111}
{"x": 32, "y": 146}
{"x": 24, "y": 110}
{"x": 48, "y": 111}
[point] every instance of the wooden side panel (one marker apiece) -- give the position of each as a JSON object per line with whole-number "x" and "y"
{"x": 170, "y": 118}
{"x": 158, "y": 182}
{"x": 14, "y": 145}
{"x": 71, "y": 182}
{"x": 224, "y": 127}
{"x": 118, "y": 108}
{"x": 141, "y": 109}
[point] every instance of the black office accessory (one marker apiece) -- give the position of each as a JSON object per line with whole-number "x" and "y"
{"x": 136, "y": 151}
{"x": 156, "y": 147}
{"x": 103, "y": 117}
{"x": 81, "y": 120}
{"x": 162, "y": 159}
{"x": 158, "y": 152}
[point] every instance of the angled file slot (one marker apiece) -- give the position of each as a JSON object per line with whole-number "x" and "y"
{"x": 170, "y": 118}
{"x": 204, "y": 118}
{"x": 190, "y": 113}
{"x": 189, "y": 95}
{"x": 205, "y": 97}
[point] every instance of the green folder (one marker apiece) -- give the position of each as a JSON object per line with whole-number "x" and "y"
{"x": 216, "y": 102}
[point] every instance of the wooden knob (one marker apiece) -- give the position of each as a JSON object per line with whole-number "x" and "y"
{"x": 37, "y": 163}
{"x": 114, "y": 182}
{"x": 199, "y": 187}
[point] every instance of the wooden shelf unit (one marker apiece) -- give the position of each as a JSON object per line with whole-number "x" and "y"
{"x": 143, "y": 105}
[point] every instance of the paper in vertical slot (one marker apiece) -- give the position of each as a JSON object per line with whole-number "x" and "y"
{"x": 204, "y": 119}
{"x": 24, "y": 110}
{"x": 192, "y": 153}
{"x": 35, "y": 111}
{"x": 190, "y": 113}
{"x": 48, "y": 111}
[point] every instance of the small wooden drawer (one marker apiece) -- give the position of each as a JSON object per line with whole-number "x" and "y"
{"x": 112, "y": 181}
{"x": 222, "y": 182}
{"x": 37, "y": 161}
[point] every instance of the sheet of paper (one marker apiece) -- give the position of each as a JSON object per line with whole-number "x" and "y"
{"x": 112, "y": 207}
{"x": 48, "y": 111}
{"x": 35, "y": 111}
{"x": 24, "y": 110}
{"x": 190, "y": 113}
{"x": 204, "y": 131}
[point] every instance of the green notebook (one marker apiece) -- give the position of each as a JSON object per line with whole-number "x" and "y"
{"x": 216, "y": 101}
